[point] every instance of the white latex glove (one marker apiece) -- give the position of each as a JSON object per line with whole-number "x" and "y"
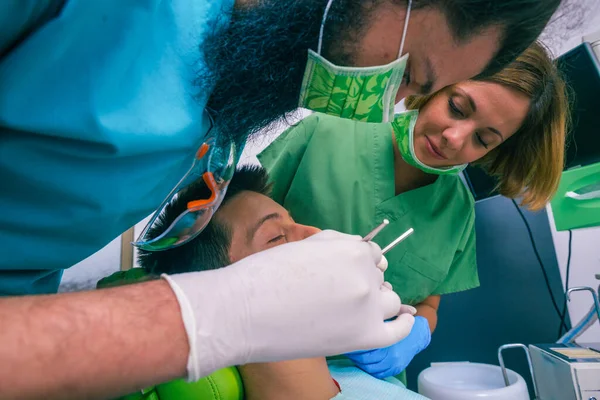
{"x": 318, "y": 297}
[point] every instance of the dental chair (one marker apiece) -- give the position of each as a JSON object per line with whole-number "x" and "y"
{"x": 225, "y": 384}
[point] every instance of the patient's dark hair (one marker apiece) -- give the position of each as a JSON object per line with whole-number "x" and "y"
{"x": 210, "y": 249}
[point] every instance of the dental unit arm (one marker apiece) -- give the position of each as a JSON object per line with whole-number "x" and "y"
{"x": 586, "y": 322}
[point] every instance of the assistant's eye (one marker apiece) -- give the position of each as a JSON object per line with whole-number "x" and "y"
{"x": 454, "y": 110}
{"x": 481, "y": 141}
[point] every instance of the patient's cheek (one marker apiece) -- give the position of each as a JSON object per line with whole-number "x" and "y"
{"x": 305, "y": 379}
{"x": 238, "y": 250}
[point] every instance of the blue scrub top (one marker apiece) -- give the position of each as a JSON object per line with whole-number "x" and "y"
{"x": 99, "y": 119}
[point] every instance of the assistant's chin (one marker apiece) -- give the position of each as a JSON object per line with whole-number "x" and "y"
{"x": 421, "y": 151}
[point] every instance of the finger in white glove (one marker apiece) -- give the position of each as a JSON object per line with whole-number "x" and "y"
{"x": 383, "y": 264}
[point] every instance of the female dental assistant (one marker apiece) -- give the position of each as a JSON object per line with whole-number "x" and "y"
{"x": 100, "y": 119}
{"x": 348, "y": 175}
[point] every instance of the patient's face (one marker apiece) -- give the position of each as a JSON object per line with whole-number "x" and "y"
{"x": 259, "y": 223}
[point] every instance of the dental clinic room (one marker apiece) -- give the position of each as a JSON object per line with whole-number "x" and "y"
{"x": 300, "y": 200}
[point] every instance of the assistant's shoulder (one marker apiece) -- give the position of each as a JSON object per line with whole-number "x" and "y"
{"x": 454, "y": 187}
{"x": 305, "y": 129}
{"x": 307, "y": 125}
{"x": 324, "y": 121}
{"x": 321, "y": 133}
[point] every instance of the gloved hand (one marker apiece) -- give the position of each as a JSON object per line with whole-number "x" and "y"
{"x": 392, "y": 360}
{"x": 318, "y": 297}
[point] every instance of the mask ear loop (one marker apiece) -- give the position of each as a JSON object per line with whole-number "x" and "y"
{"x": 405, "y": 28}
{"x": 322, "y": 29}
{"x": 326, "y": 13}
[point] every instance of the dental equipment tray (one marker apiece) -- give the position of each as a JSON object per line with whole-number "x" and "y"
{"x": 566, "y": 371}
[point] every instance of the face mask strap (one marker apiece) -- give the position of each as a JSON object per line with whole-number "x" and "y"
{"x": 405, "y": 28}
{"x": 322, "y": 29}
{"x": 326, "y": 13}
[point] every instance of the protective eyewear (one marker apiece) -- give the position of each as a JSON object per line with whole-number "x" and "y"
{"x": 216, "y": 166}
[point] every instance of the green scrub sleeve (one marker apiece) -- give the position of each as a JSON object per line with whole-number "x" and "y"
{"x": 463, "y": 271}
{"x": 283, "y": 157}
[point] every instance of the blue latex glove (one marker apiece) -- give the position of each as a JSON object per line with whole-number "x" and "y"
{"x": 392, "y": 360}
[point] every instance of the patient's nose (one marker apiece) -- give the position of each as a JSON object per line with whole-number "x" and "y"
{"x": 306, "y": 231}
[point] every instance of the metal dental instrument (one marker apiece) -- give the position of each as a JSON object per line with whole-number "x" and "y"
{"x": 503, "y": 367}
{"x": 397, "y": 240}
{"x": 371, "y": 235}
{"x": 390, "y": 246}
{"x": 589, "y": 289}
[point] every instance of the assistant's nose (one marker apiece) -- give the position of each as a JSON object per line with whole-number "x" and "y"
{"x": 455, "y": 136}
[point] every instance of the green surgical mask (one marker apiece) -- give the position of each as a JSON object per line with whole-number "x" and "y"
{"x": 365, "y": 94}
{"x": 404, "y": 129}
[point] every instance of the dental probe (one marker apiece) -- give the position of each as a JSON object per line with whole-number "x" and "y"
{"x": 371, "y": 235}
{"x": 397, "y": 240}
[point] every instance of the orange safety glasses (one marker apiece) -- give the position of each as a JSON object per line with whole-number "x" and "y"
{"x": 215, "y": 165}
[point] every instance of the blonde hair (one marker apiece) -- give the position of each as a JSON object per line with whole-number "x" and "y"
{"x": 529, "y": 163}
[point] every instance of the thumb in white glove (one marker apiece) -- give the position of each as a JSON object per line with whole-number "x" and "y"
{"x": 318, "y": 297}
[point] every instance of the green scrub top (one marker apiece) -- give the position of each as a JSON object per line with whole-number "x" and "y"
{"x": 336, "y": 173}
{"x": 100, "y": 117}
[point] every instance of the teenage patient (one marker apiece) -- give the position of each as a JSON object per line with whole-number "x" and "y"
{"x": 247, "y": 222}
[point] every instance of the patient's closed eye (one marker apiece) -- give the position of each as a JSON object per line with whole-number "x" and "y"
{"x": 278, "y": 238}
